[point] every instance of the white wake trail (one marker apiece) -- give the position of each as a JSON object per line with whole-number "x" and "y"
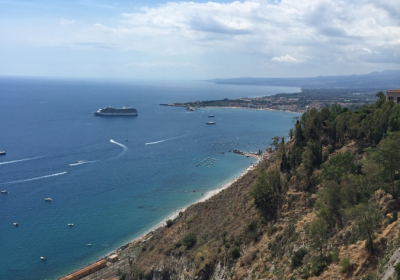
{"x": 157, "y": 142}
{"x": 125, "y": 148}
{"x": 18, "y": 160}
{"x": 81, "y": 162}
{"x": 36, "y": 178}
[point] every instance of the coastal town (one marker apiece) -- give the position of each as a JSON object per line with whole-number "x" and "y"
{"x": 292, "y": 102}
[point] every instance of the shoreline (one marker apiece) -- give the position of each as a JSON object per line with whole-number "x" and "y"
{"x": 246, "y": 108}
{"x": 142, "y": 237}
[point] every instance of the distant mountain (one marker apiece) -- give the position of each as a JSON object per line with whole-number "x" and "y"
{"x": 387, "y": 79}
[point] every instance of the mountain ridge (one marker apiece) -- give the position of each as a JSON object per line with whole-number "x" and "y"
{"x": 387, "y": 79}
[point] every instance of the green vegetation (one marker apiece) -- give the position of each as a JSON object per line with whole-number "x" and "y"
{"x": 235, "y": 252}
{"x": 266, "y": 192}
{"x": 189, "y": 240}
{"x": 345, "y": 265}
{"x": 397, "y": 269}
{"x": 297, "y": 258}
{"x": 318, "y": 234}
{"x": 344, "y": 157}
{"x": 169, "y": 223}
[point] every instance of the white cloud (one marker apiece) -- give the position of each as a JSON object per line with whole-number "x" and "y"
{"x": 285, "y": 58}
{"x": 295, "y": 26}
{"x": 64, "y": 21}
{"x": 243, "y": 37}
{"x": 365, "y": 51}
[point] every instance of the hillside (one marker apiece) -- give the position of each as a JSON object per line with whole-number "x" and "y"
{"x": 323, "y": 207}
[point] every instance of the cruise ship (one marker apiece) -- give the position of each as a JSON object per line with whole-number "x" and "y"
{"x": 111, "y": 111}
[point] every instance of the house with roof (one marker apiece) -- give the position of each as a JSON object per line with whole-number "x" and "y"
{"x": 394, "y": 95}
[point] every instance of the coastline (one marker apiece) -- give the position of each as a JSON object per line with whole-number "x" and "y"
{"x": 246, "y": 108}
{"x": 144, "y": 236}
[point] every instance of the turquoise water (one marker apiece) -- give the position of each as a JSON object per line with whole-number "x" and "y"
{"x": 121, "y": 187}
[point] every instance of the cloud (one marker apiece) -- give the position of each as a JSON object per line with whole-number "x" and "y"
{"x": 64, "y": 21}
{"x": 285, "y": 58}
{"x": 264, "y": 27}
{"x": 245, "y": 37}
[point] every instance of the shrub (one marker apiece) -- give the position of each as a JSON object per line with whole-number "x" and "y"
{"x": 318, "y": 267}
{"x": 345, "y": 265}
{"x": 178, "y": 244}
{"x": 235, "y": 252}
{"x": 304, "y": 273}
{"x": 297, "y": 258}
{"x": 397, "y": 269}
{"x": 252, "y": 227}
{"x": 169, "y": 223}
{"x": 189, "y": 240}
{"x": 335, "y": 256}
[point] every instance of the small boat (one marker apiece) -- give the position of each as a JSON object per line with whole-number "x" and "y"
{"x": 48, "y": 199}
{"x": 4, "y": 191}
{"x": 15, "y": 224}
{"x": 2, "y": 153}
{"x": 89, "y": 245}
{"x": 43, "y": 258}
{"x": 222, "y": 152}
{"x": 70, "y": 225}
{"x": 211, "y": 116}
{"x": 210, "y": 122}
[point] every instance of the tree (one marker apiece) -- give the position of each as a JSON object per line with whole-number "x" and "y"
{"x": 266, "y": 190}
{"x": 366, "y": 219}
{"x": 329, "y": 203}
{"x": 275, "y": 141}
{"x": 317, "y": 232}
{"x": 290, "y": 134}
{"x": 387, "y": 158}
{"x": 338, "y": 166}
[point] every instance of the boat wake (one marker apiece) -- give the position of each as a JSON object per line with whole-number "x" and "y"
{"x": 19, "y": 160}
{"x": 125, "y": 148}
{"x": 157, "y": 142}
{"x": 36, "y": 178}
{"x": 79, "y": 162}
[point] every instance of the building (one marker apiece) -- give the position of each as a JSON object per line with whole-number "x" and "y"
{"x": 394, "y": 95}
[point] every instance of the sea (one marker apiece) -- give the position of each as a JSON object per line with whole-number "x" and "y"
{"x": 112, "y": 178}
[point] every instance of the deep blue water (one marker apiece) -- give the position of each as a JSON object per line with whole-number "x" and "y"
{"x": 124, "y": 187}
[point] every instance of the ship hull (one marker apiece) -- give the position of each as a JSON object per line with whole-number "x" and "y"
{"x": 110, "y": 111}
{"x": 115, "y": 114}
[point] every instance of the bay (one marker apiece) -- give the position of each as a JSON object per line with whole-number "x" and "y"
{"x": 112, "y": 178}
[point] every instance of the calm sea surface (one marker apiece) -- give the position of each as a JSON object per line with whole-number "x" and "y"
{"x": 127, "y": 173}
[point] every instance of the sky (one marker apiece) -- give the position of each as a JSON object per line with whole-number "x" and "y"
{"x": 155, "y": 39}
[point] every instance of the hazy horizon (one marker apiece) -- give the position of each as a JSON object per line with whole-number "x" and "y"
{"x": 198, "y": 40}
